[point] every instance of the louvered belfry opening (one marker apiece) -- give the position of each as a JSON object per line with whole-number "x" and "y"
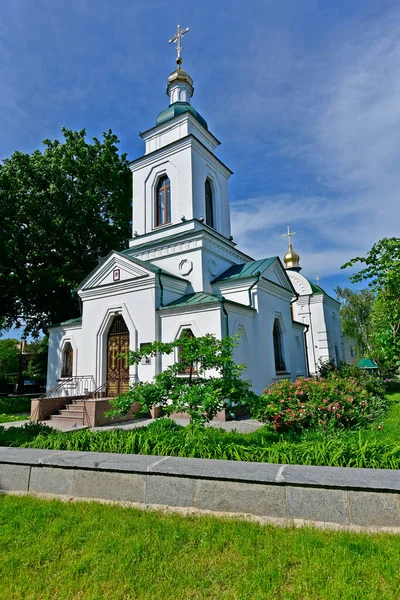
{"x": 117, "y": 366}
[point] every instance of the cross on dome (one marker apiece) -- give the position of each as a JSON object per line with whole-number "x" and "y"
{"x": 291, "y": 258}
{"x": 178, "y": 39}
{"x": 288, "y": 235}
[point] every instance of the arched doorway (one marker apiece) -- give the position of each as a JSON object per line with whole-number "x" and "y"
{"x": 117, "y": 366}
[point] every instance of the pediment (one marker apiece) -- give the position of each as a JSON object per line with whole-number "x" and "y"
{"x": 114, "y": 269}
{"x": 277, "y": 274}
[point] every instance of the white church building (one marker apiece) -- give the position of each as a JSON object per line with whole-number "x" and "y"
{"x": 183, "y": 271}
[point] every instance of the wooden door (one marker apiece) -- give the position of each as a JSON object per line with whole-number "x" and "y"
{"x": 117, "y": 366}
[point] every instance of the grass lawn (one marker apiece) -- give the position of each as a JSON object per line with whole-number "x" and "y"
{"x": 52, "y": 550}
{"x": 10, "y": 418}
{"x": 391, "y": 422}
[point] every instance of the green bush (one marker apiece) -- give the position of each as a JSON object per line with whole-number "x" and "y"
{"x": 341, "y": 401}
{"x": 18, "y": 436}
{"x": 186, "y": 386}
{"x": 13, "y": 405}
{"x": 165, "y": 438}
{"x": 392, "y": 385}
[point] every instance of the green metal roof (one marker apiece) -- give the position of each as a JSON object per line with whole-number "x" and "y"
{"x": 315, "y": 288}
{"x": 248, "y": 269}
{"x": 192, "y": 299}
{"x": 69, "y": 322}
{"x": 367, "y": 363}
{"x": 200, "y": 298}
{"x": 179, "y": 108}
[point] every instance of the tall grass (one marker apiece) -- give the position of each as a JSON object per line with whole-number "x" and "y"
{"x": 166, "y": 438}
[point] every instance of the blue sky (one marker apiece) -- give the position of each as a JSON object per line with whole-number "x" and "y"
{"x": 304, "y": 97}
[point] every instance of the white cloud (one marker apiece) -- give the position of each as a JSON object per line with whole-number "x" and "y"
{"x": 340, "y": 118}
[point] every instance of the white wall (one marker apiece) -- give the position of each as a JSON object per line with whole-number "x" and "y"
{"x": 188, "y": 165}
{"x": 58, "y": 337}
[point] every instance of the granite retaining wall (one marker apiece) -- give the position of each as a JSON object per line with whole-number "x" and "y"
{"x": 330, "y": 496}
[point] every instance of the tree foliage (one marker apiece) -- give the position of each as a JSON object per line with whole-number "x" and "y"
{"x": 61, "y": 210}
{"x": 382, "y": 270}
{"x": 37, "y": 352}
{"x": 355, "y": 316}
{"x": 9, "y": 359}
{"x": 186, "y": 385}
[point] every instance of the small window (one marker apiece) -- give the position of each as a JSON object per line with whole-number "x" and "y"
{"x": 209, "y": 204}
{"x": 278, "y": 347}
{"x": 68, "y": 356}
{"x": 163, "y": 209}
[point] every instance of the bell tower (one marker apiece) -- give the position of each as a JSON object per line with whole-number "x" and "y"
{"x": 180, "y": 149}
{"x": 180, "y": 187}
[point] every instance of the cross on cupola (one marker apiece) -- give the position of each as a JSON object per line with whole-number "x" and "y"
{"x": 178, "y": 39}
{"x": 291, "y": 258}
{"x": 180, "y": 84}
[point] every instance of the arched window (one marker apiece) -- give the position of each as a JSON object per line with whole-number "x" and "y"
{"x": 209, "y": 204}
{"x": 188, "y": 368}
{"x": 68, "y": 355}
{"x": 278, "y": 347}
{"x": 163, "y": 208}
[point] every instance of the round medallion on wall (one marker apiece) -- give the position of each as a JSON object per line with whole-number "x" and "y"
{"x": 212, "y": 267}
{"x": 185, "y": 267}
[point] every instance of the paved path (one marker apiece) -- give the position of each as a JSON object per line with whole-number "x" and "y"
{"x": 241, "y": 425}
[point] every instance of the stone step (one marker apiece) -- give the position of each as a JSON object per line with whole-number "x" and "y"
{"x": 76, "y": 414}
{"x": 67, "y": 419}
{"x": 74, "y": 407}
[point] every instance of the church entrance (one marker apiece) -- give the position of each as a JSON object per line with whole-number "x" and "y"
{"x": 117, "y": 366}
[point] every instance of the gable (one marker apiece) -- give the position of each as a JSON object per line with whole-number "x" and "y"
{"x": 114, "y": 269}
{"x": 276, "y": 273}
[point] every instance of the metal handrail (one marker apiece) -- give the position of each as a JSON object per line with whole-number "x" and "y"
{"x": 100, "y": 388}
{"x": 64, "y": 383}
{"x": 104, "y": 385}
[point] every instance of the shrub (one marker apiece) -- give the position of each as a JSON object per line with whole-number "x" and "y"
{"x": 185, "y": 386}
{"x": 336, "y": 402}
{"x": 18, "y": 436}
{"x": 12, "y": 405}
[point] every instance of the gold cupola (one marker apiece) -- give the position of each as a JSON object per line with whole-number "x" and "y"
{"x": 291, "y": 258}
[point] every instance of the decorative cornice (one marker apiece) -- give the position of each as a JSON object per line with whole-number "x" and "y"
{"x": 186, "y": 141}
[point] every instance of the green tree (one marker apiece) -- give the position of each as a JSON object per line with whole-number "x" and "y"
{"x": 9, "y": 359}
{"x": 37, "y": 351}
{"x": 382, "y": 270}
{"x": 61, "y": 210}
{"x": 185, "y": 386}
{"x": 355, "y": 316}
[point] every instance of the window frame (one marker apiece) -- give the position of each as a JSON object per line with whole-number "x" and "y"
{"x": 164, "y": 186}
{"x": 279, "y": 355}
{"x": 67, "y": 368}
{"x": 190, "y": 370}
{"x": 209, "y": 203}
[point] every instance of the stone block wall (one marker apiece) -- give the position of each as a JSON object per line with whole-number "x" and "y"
{"x": 284, "y": 494}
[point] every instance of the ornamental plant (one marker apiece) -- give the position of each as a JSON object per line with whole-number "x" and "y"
{"x": 187, "y": 386}
{"x": 336, "y": 403}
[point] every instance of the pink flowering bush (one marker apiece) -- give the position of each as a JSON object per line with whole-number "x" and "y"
{"x": 333, "y": 403}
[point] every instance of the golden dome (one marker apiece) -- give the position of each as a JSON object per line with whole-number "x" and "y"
{"x": 291, "y": 259}
{"x": 180, "y": 75}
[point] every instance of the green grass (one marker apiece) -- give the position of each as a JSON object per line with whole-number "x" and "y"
{"x": 55, "y": 551}
{"x": 372, "y": 448}
{"x": 10, "y": 418}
